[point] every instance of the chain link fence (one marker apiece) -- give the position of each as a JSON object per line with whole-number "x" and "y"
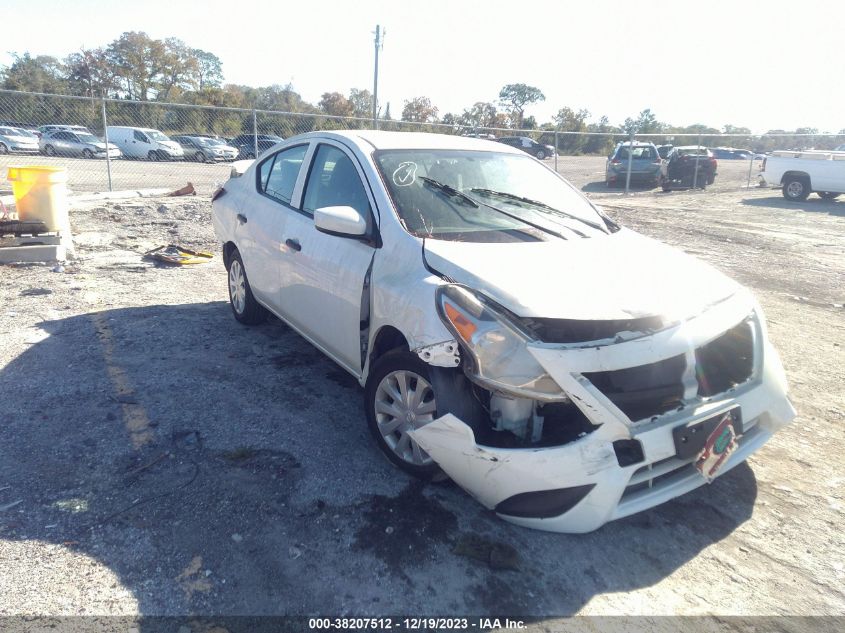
{"x": 166, "y": 145}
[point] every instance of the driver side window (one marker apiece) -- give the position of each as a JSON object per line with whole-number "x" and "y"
{"x": 334, "y": 182}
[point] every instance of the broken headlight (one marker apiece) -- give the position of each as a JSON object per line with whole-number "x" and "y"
{"x": 496, "y": 345}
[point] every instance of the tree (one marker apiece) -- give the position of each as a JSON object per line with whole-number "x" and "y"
{"x": 419, "y": 110}
{"x": 208, "y": 72}
{"x": 362, "y": 103}
{"x": 481, "y": 114}
{"x": 568, "y": 120}
{"x": 336, "y": 104}
{"x": 645, "y": 123}
{"x": 35, "y": 74}
{"x": 515, "y": 97}
{"x": 89, "y": 73}
{"x": 137, "y": 60}
{"x": 386, "y": 116}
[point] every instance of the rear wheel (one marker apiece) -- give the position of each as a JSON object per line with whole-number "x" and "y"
{"x": 152, "y": 155}
{"x": 540, "y": 154}
{"x": 244, "y": 306}
{"x": 796, "y": 188}
{"x": 827, "y": 195}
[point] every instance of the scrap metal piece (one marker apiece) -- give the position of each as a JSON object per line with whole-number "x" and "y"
{"x": 178, "y": 255}
{"x": 445, "y": 354}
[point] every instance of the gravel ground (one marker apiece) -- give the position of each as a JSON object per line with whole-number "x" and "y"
{"x": 159, "y": 458}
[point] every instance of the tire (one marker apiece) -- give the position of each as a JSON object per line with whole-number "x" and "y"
{"x": 152, "y": 155}
{"x": 200, "y": 157}
{"x": 50, "y": 150}
{"x": 244, "y": 306}
{"x": 402, "y": 374}
{"x": 3, "y": 149}
{"x": 826, "y": 195}
{"x": 541, "y": 155}
{"x": 666, "y": 187}
{"x": 87, "y": 153}
{"x": 796, "y": 188}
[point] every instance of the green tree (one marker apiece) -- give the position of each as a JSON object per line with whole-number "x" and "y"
{"x": 208, "y": 70}
{"x": 481, "y": 114}
{"x": 35, "y": 74}
{"x": 514, "y": 97}
{"x": 362, "y": 103}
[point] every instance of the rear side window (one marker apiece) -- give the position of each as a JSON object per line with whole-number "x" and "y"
{"x": 334, "y": 182}
{"x": 277, "y": 174}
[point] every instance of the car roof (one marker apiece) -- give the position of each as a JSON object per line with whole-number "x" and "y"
{"x": 378, "y": 139}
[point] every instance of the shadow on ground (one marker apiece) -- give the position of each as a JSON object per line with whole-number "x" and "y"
{"x": 599, "y": 186}
{"x": 218, "y": 469}
{"x": 811, "y": 204}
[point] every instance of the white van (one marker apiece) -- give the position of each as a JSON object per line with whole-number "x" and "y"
{"x": 141, "y": 142}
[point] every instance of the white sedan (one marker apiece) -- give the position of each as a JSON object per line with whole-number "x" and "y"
{"x": 563, "y": 370}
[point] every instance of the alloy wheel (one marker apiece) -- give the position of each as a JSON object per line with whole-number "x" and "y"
{"x": 237, "y": 286}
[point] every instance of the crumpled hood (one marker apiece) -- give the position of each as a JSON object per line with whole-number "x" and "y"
{"x": 619, "y": 276}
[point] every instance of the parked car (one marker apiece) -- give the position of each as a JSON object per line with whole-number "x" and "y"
{"x": 645, "y": 165}
{"x": 206, "y": 149}
{"x": 44, "y": 129}
{"x": 689, "y": 166}
{"x": 140, "y": 142}
{"x": 839, "y": 148}
{"x": 529, "y": 146}
{"x": 731, "y": 153}
{"x": 17, "y": 141}
{"x": 799, "y": 174}
{"x": 246, "y": 144}
{"x": 80, "y": 144}
{"x": 563, "y": 370}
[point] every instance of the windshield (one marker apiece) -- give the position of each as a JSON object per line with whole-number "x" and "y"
{"x": 483, "y": 197}
{"x": 157, "y": 136}
{"x": 87, "y": 138}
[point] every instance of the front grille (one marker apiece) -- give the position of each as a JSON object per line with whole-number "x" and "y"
{"x": 726, "y": 361}
{"x": 645, "y": 390}
{"x": 649, "y": 390}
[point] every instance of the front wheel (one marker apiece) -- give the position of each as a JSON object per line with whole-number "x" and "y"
{"x": 827, "y": 195}
{"x": 540, "y": 154}
{"x": 3, "y": 149}
{"x": 200, "y": 157}
{"x": 50, "y": 150}
{"x": 87, "y": 153}
{"x": 399, "y": 397}
{"x": 244, "y": 306}
{"x": 796, "y": 188}
{"x": 152, "y": 155}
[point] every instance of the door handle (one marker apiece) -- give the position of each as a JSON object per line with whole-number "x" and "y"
{"x": 241, "y": 218}
{"x": 294, "y": 244}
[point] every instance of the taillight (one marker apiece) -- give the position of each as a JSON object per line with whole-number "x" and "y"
{"x": 218, "y": 194}
{"x": 615, "y": 162}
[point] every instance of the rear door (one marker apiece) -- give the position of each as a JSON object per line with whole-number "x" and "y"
{"x": 323, "y": 275}
{"x": 260, "y": 227}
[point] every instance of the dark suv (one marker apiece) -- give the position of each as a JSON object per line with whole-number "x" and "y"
{"x": 529, "y": 146}
{"x": 245, "y": 143}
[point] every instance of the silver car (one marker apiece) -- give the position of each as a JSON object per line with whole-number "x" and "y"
{"x": 15, "y": 140}
{"x": 205, "y": 149}
{"x": 646, "y": 165}
{"x": 66, "y": 143}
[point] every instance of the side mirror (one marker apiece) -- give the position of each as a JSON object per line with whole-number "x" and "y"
{"x": 340, "y": 221}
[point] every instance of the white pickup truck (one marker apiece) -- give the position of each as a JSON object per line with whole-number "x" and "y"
{"x": 801, "y": 173}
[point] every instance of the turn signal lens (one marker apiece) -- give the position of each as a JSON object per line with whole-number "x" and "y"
{"x": 463, "y": 325}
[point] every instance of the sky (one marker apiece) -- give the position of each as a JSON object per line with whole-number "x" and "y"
{"x": 762, "y": 65}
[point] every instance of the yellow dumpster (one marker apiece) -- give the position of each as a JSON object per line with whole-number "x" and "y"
{"x": 41, "y": 195}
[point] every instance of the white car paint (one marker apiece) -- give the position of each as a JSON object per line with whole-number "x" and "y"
{"x": 318, "y": 290}
{"x": 824, "y": 170}
{"x": 138, "y": 142}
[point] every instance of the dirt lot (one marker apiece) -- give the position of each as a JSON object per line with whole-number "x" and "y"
{"x": 159, "y": 458}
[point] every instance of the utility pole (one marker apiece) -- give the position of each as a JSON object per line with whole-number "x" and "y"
{"x": 379, "y": 42}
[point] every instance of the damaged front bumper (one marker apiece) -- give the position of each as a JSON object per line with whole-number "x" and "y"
{"x": 579, "y": 486}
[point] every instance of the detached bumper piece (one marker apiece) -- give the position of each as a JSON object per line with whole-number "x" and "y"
{"x": 650, "y": 400}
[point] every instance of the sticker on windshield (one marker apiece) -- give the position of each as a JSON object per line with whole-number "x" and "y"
{"x": 405, "y": 174}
